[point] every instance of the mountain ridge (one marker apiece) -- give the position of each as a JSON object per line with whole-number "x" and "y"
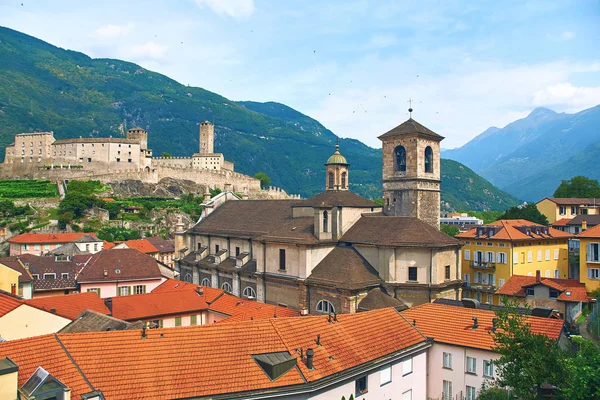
{"x": 43, "y": 87}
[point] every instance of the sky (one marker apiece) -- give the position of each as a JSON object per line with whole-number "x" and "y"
{"x": 353, "y": 65}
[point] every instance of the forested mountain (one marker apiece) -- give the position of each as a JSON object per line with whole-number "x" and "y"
{"x": 529, "y": 157}
{"x": 43, "y": 87}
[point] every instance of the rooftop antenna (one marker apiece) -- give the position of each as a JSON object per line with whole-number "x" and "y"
{"x": 410, "y": 110}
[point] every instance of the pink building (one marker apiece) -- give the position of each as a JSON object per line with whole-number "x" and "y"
{"x": 461, "y": 357}
{"x": 41, "y": 243}
{"x": 122, "y": 272}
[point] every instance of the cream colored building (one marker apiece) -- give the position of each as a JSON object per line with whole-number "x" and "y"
{"x": 556, "y": 209}
{"x": 24, "y": 321}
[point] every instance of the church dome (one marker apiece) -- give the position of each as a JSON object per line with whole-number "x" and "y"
{"x": 337, "y": 158}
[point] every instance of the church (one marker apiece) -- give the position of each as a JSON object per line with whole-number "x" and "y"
{"x": 335, "y": 252}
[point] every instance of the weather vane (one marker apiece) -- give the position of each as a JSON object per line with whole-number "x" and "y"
{"x": 410, "y": 110}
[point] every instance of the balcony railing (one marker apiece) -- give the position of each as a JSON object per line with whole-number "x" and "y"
{"x": 483, "y": 265}
{"x": 480, "y": 287}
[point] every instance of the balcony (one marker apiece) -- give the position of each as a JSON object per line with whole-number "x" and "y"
{"x": 490, "y": 266}
{"x": 480, "y": 287}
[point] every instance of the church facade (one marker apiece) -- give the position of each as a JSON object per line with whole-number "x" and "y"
{"x": 335, "y": 252}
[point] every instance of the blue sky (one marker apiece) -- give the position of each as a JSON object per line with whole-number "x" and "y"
{"x": 351, "y": 64}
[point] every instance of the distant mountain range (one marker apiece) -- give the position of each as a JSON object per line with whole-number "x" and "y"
{"x": 529, "y": 157}
{"x": 43, "y": 87}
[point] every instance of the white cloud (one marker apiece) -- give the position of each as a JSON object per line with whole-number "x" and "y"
{"x": 237, "y": 9}
{"x": 567, "y": 35}
{"x": 149, "y": 49}
{"x": 114, "y": 31}
{"x": 382, "y": 40}
{"x": 567, "y": 97}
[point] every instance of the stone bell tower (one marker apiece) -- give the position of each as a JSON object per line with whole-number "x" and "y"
{"x": 336, "y": 171}
{"x": 207, "y": 138}
{"x": 411, "y": 172}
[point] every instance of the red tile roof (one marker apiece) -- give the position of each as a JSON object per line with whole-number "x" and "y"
{"x": 592, "y": 233}
{"x": 574, "y": 201}
{"x": 562, "y": 222}
{"x": 245, "y": 310}
{"x": 141, "y": 245}
{"x": 516, "y": 286}
{"x": 48, "y": 237}
{"x": 213, "y": 359}
{"x": 121, "y": 264}
{"x": 454, "y": 325}
{"x": 70, "y": 306}
{"x": 8, "y": 303}
{"x": 508, "y": 231}
{"x": 108, "y": 245}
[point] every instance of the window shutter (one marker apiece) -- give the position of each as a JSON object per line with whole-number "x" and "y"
{"x": 500, "y": 282}
{"x": 556, "y": 254}
{"x": 515, "y": 257}
{"x": 467, "y": 254}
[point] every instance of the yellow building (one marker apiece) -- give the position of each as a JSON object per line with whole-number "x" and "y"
{"x": 566, "y": 208}
{"x": 492, "y": 253}
{"x": 589, "y": 258}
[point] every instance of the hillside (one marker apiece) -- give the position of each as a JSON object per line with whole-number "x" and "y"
{"x": 529, "y": 157}
{"x": 43, "y": 87}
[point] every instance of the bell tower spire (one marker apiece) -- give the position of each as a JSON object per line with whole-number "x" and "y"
{"x": 336, "y": 170}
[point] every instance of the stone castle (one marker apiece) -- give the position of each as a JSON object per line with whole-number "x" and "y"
{"x": 40, "y": 156}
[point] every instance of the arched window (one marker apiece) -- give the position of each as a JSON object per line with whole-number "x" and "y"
{"x": 343, "y": 180}
{"x": 249, "y": 292}
{"x": 326, "y": 307}
{"x": 325, "y": 220}
{"x": 400, "y": 153}
{"x": 188, "y": 277}
{"x": 331, "y": 180}
{"x": 428, "y": 159}
{"x": 206, "y": 282}
{"x": 226, "y": 287}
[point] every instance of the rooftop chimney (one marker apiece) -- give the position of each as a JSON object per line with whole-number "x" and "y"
{"x": 105, "y": 273}
{"x": 583, "y": 225}
{"x": 310, "y": 354}
{"x": 13, "y": 289}
{"x": 538, "y": 276}
{"x": 199, "y": 290}
{"x": 475, "y": 323}
{"x": 108, "y": 303}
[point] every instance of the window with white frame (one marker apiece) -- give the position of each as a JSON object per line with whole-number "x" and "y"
{"x": 529, "y": 256}
{"x": 226, "y": 286}
{"x": 594, "y": 273}
{"x": 447, "y": 360}
{"x": 501, "y": 258}
{"x": 500, "y": 282}
{"x": 515, "y": 257}
{"x": 249, "y": 292}
{"x": 447, "y": 387}
{"x": 323, "y": 306}
{"x": 64, "y": 275}
{"x": 95, "y": 290}
{"x": 491, "y": 279}
{"x": 547, "y": 255}
{"x": 471, "y": 393}
{"x": 489, "y": 256}
{"x": 539, "y": 256}
{"x": 556, "y": 254}
{"x": 562, "y": 210}
{"x": 467, "y": 278}
{"x": 548, "y": 273}
{"x": 407, "y": 395}
{"x": 488, "y": 368}
{"x": 385, "y": 375}
{"x": 471, "y": 365}
{"x": 407, "y": 366}
{"x": 205, "y": 282}
{"x": 124, "y": 290}
{"x": 593, "y": 252}
{"x": 50, "y": 276}
{"x": 556, "y": 273}
{"x": 467, "y": 254}
{"x": 477, "y": 277}
{"x": 139, "y": 289}
{"x": 36, "y": 246}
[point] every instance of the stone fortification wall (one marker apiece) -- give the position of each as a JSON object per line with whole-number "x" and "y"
{"x": 172, "y": 162}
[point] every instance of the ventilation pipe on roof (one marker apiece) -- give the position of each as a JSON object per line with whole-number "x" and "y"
{"x": 310, "y": 354}
{"x": 475, "y": 323}
{"x": 199, "y": 290}
{"x": 538, "y": 276}
{"x": 144, "y": 332}
{"x": 318, "y": 340}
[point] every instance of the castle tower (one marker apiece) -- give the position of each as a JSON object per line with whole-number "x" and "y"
{"x": 207, "y": 138}
{"x": 140, "y": 135}
{"x": 411, "y": 172}
{"x": 336, "y": 175}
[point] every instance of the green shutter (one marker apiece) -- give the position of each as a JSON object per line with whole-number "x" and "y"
{"x": 193, "y": 320}
{"x": 160, "y": 323}
{"x": 177, "y": 321}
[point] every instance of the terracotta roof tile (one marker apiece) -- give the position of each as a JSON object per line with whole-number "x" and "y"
{"x": 592, "y": 233}
{"x": 508, "y": 231}
{"x": 244, "y": 309}
{"x": 516, "y": 286}
{"x": 71, "y": 305}
{"x": 156, "y": 304}
{"x": 562, "y": 222}
{"x": 190, "y": 361}
{"x": 142, "y": 245}
{"x": 454, "y": 325}
{"x": 8, "y": 303}
{"x": 48, "y": 237}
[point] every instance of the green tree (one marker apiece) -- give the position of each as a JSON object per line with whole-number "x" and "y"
{"x": 264, "y": 179}
{"x": 64, "y": 219}
{"x": 214, "y": 192}
{"x": 75, "y": 202}
{"x": 579, "y": 186}
{"x": 528, "y": 212}
{"x": 527, "y": 360}
{"x": 449, "y": 230}
{"x": 164, "y": 154}
{"x": 582, "y": 371}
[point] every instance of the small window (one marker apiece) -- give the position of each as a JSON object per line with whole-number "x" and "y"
{"x": 129, "y": 160}
{"x": 177, "y": 321}
{"x": 36, "y": 246}
{"x": 488, "y": 368}
{"x": 448, "y": 360}
{"x": 139, "y": 289}
{"x": 554, "y": 293}
{"x": 331, "y": 183}
{"x": 407, "y": 366}
{"x": 64, "y": 275}
{"x": 428, "y": 159}
{"x": 249, "y": 292}
{"x": 325, "y": 221}
{"x": 447, "y": 272}
{"x": 385, "y": 375}
{"x": 530, "y": 291}
{"x": 95, "y": 290}
{"x": 282, "y": 259}
{"x": 412, "y": 273}
{"x": 35, "y": 276}
{"x": 237, "y": 251}
{"x": 471, "y": 365}
{"x": 205, "y": 282}
{"x": 118, "y": 160}
{"x": 360, "y": 386}
{"x": 193, "y": 320}
{"x": 471, "y": 393}
{"x": 344, "y": 180}
{"x": 216, "y": 248}
{"x": 400, "y": 153}
{"x": 124, "y": 291}
{"x": 447, "y": 394}
{"x": 187, "y": 277}
{"x": 226, "y": 286}
{"x": 89, "y": 159}
{"x": 323, "y": 306}
{"x": 49, "y": 276}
